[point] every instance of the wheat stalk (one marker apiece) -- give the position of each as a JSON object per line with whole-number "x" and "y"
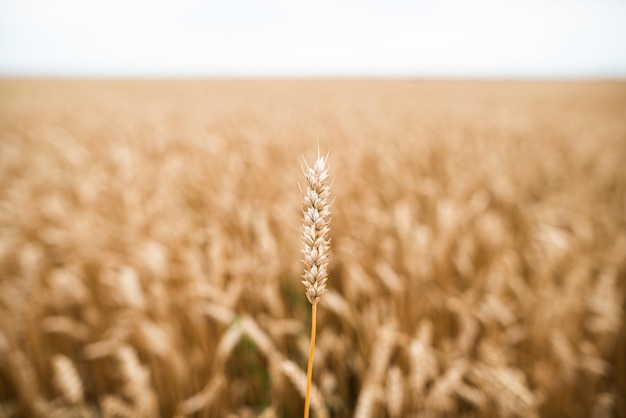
{"x": 316, "y": 247}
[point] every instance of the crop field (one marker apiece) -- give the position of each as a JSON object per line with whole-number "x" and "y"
{"x": 151, "y": 237}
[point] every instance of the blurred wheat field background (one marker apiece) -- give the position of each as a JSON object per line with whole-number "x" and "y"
{"x": 150, "y": 248}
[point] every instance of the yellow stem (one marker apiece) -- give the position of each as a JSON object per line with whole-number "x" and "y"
{"x": 309, "y": 372}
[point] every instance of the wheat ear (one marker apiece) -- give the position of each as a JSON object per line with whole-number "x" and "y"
{"x": 316, "y": 248}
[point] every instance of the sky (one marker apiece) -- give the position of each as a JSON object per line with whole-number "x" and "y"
{"x": 289, "y": 38}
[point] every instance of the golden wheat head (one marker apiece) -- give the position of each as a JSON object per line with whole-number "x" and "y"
{"x": 315, "y": 229}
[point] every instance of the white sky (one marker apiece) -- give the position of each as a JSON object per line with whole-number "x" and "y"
{"x": 449, "y": 38}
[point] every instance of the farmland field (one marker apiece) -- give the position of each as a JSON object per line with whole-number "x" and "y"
{"x": 150, "y": 237}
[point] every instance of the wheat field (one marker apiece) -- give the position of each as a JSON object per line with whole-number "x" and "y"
{"x": 150, "y": 238}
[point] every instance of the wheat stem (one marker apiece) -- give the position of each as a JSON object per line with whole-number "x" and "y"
{"x": 309, "y": 370}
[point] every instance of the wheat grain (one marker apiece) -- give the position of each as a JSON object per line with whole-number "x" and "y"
{"x": 137, "y": 378}
{"x": 338, "y": 304}
{"x": 381, "y": 353}
{"x": 26, "y": 383}
{"x": 114, "y": 407}
{"x": 111, "y": 341}
{"x": 67, "y": 326}
{"x": 154, "y": 338}
{"x": 441, "y": 396}
{"x": 604, "y": 304}
{"x": 508, "y": 389}
{"x": 67, "y": 288}
{"x": 369, "y": 397}
{"x": 378, "y": 361}
{"x": 423, "y": 361}
{"x": 565, "y": 355}
{"x": 315, "y": 229}
{"x": 472, "y": 395}
{"x": 67, "y": 380}
{"x": 591, "y": 361}
{"x": 469, "y": 326}
{"x": 389, "y": 277}
{"x": 222, "y": 314}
